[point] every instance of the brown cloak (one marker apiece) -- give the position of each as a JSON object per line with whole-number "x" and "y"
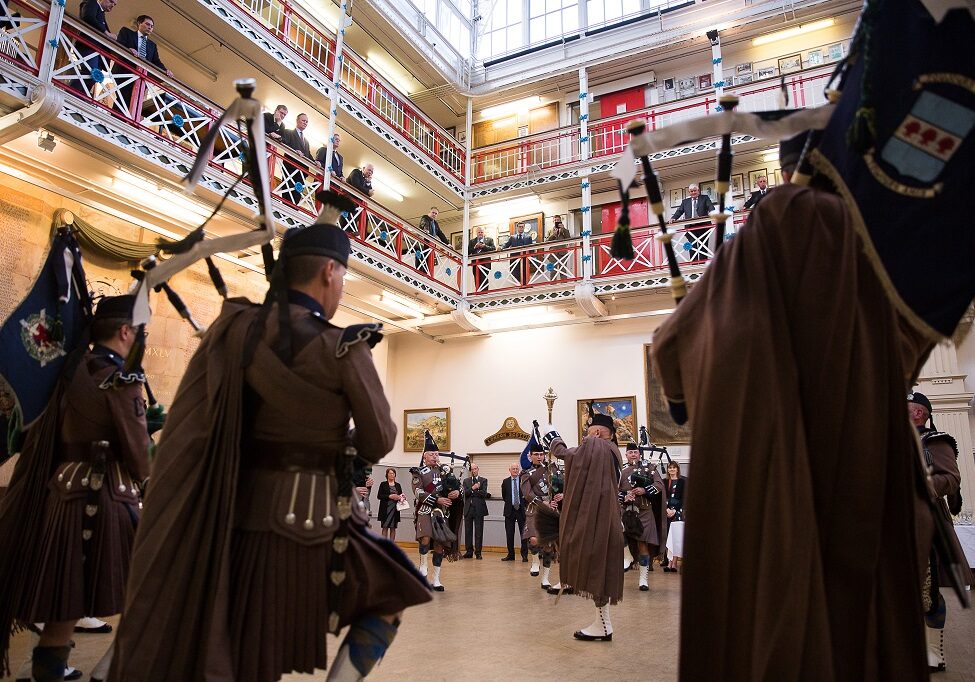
{"x": 223, "y": 586}
{"x": 590, "y": 528}
{"x": 800, "y": 559}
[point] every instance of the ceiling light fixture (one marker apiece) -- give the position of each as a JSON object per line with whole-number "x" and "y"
{"x": 511, "y": 107}
{"x": 394, "y": 303}
{"x": 771, "y": 155}
{"x": 386, "y": 70}
{"x": 793, "y": 32}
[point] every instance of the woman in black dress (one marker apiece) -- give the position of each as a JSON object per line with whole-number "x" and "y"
{"x": 674, "y": 489}
{"x": 390, "y": 492}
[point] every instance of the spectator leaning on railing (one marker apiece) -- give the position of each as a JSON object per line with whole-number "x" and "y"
{"x": 337, "y": 161}
{"x": 139, "y": 44}
{"x": 274, "y": 122}
{"x": 361, "y": 179}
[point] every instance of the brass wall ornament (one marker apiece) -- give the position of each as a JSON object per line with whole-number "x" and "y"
{"x": 510, "y": 430}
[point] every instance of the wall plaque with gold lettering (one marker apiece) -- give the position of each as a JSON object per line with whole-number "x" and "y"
{"x": 510, "y": 430}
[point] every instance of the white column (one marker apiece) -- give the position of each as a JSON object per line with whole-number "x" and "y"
{"x": 465, "y": 268}
{"x": 944, "y": 384}
{"x": 586, "y": 209}
{"x": 333, "y": 111}
{"x": 717, "y": 77}
{"x": 52, "y": 33}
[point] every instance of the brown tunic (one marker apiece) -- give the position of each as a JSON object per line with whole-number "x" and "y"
{"x": 534, "y": 491}
{"x": 794, "y": 363}
{"x": 590, "y": 529}
{"x": 231, "y": 571}
{"x": 425, "y": 500}
{"x": 92, "y": 501}
{"x": 645, "y": 506}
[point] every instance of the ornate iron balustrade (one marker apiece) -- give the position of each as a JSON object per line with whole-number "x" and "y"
{"x": 607, "y": 136}
{"x": 22, "y": 27}
{"x": 359, "y": 82}
{"x": 527, "y": 267}
{"x": 137, "y": 95}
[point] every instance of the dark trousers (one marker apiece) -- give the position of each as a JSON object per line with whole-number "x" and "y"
{"x": 473, "y": 530}
{"x": 509, "y": 531}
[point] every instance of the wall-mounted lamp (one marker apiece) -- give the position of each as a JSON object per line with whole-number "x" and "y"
{"x": 46, "y": 140}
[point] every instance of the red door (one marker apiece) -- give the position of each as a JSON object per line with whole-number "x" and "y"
{"x": 610, "y": 137}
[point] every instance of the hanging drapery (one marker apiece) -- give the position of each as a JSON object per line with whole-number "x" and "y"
{"x": 104, "y": 243}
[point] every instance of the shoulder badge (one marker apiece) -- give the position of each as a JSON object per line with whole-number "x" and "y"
{"x": 371, "y": 333}
{"x": 121, "y": 378}
{"x": 940, "y": 435}
{"x": 425, "y": 470}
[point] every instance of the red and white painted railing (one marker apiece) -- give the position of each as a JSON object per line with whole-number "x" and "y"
{"x": 22, "y": 28}
{"x": 607, "y": 136}
{"x": 289, "y": 25}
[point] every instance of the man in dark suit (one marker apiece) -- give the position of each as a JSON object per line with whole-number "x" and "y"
{"x": 274, "y": 122}
{"x": 296, "y": 138}
{"x": 519, "y": 238}
{"x": 696, "y": 205}
{"x": 139, "y": 43}
{"x": 361, "y": 179}
{"x": 758, "y": 194}
{"x": 430, "y": 227}
{"x": 476, "y": 247}
{"x": 93, "y": 13}
{"x": 475, "y": 509}
{"x": 514, "y": 512}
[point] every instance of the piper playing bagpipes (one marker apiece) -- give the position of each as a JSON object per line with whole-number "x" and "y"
{"x": 590, "y": 528}
{"x": 827, "y": 304}
{"x": 439, "y": 510}
{"x": 640, "y": 496}
{"x": 537, "y": 494}
{"x": 252, "y": 549}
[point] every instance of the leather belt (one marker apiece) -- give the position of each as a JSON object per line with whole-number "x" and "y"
{"x": 88, "y": 452}
{"x": 304, "y": 457}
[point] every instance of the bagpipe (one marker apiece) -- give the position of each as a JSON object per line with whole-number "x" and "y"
{"x": 648, "y": 450}
{"x": 547, "y": 517}
{"x": 644, "y": 142}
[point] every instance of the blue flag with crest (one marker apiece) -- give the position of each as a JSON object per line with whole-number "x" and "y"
{"x": 38, "y": 336}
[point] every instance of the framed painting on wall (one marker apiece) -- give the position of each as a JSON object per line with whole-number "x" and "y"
{"x": 766, "y": 72}
{"x": 622, "y": 410}
{"x": 743, "y": 78}
{"x": 676, "y": 196}
{"x": 662, "y": 429}
{"x": 835, "y": 51}
{"x": 704, "y": 82}
{"x": 434, "y": 419}
{"x": 710, "y": 189}
{"x": 742, "y": 69}
{"x": 778, "y": 177}
{"x": 753, "y": 177}
{"x": 814, "y": 57}
{"x": 457, "y": 240}
{"x": 791, "y": 63}
{"x": 737, "y": 184}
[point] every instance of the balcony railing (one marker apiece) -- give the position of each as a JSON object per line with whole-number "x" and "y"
{"x": 108, "y": 78}
{"x": 22, "y": 26}
{"x": 561, "y": 262}
{"x": 358, "y": 81}
{"x": 608, "y": 137}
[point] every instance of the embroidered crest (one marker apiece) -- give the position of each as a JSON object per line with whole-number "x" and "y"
{"x": 41, "y": 338}
{"x": 928, "y": 137}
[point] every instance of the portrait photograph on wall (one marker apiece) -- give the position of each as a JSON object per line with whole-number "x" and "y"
{"x": 662, "y": 429}
{"x": 676, "y": 196}
{"x": 436, "y": 420}
{"x": 737, "y": 184}
{"x": 622, "y": 410}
